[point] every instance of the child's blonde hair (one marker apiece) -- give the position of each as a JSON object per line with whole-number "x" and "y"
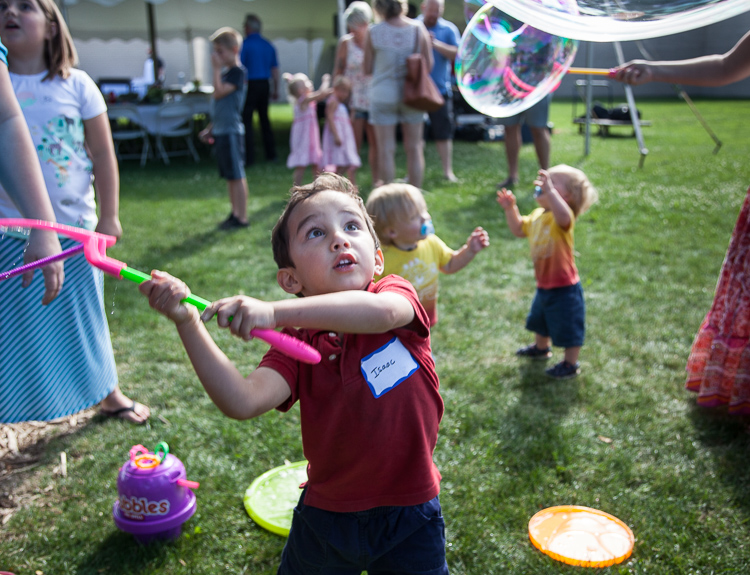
{"x": 393, "y": 203}
{"x": 582, "y": 194}
{"x": 342, "y": 81}
{"x": 293, "y": 84}
{"x": 59, "y": 52}
{"x": 227, "y": 37}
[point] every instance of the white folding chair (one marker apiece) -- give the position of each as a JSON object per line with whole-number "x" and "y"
{"x": 175, "y": 120}
{"x": 132, "y": 130}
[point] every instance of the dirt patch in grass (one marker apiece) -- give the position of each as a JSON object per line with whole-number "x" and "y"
{"x": 22, "y": 447}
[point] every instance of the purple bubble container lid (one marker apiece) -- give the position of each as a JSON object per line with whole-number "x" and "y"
{"x": 153, "y": 503}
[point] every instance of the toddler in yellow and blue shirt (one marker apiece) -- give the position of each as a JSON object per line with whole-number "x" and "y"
{"x": 558, "y": 312}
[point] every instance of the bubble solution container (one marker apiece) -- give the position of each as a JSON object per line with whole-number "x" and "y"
{"x": 154, "y": 498}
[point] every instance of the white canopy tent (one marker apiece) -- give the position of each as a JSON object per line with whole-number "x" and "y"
{"x": 127, "y": 19}
{"x": 112, "y": 35}
{"x": 304, "y": 32}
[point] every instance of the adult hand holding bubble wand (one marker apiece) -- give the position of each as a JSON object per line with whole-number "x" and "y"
{"x": 95, "y": 250}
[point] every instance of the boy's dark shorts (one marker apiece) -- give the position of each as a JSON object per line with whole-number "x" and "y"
{"x": 560, "y": 314}
{"x": 230, "y": 155}
{"x": 442, "y": 126}
{"x": 393, "y": 540}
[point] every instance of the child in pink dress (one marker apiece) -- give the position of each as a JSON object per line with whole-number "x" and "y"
{"x": 304, "y": 140}
{"x": 339, "y": 145}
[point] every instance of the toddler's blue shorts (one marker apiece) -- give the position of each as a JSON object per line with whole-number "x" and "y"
{"x": 382, "y": 540}
{"x": 230, "y": 155}
{"x": 560, "y": 314}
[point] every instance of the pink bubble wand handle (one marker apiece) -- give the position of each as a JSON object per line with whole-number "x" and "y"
{"x": 95, "y": 249}
{"x": 41, "y": 262}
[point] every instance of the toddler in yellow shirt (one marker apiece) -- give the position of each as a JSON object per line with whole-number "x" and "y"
{"x": 410, "y": 247}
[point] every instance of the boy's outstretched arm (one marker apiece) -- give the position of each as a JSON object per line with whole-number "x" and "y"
{"x": 354, "y": 311}
{"x": 507, "y": 201}
{"x": 236, "y": 396}
{"x": 476, "y": 242}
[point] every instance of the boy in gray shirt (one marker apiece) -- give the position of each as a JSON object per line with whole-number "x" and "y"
{"x": 227, "y": 131}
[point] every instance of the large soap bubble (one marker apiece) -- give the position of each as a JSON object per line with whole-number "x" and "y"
{"x": 619, "y": 20}
{"x": 504, "y": 66}
{"x": 471, "y": 7}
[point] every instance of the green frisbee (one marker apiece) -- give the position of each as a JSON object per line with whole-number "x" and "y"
{"x": 271, "y": 498}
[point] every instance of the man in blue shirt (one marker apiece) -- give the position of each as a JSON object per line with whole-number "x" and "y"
{"x": 445, "y": 38}
{"x": 258, "y": 56}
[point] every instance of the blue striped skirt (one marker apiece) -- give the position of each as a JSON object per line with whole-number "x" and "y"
{"x": 55, "y": 360}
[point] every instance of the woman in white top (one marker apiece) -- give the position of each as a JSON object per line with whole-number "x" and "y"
{"x": 350, "y": 57}
{"x": 389, "y": 43}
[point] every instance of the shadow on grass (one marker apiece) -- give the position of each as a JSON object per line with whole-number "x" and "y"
{"x": 543, "y": 407}
{"x": 727, "y": 437}
{"x": 538, "y": 390}
{"x": 121, "y": 553}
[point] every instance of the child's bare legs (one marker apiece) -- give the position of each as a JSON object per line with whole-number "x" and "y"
{"x": 238, "y": 198}
{"x": 299, "y": 173}
{"x": 372, "y": 153}
{"x": 117, "y": 404}
{"x": 351, "y": 173}
{"x": 386, "y": 138}
{"x": 541, "y": 341}
{"x": 414, "y": 147}
{"x": 571, "y": 354}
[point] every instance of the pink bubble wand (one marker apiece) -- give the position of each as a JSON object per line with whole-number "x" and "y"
{"x": 95, "y": 250}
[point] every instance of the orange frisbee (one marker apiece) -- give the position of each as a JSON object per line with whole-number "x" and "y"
{"x": 581, "y": 536}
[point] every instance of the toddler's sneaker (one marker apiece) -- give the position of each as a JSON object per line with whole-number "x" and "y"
{"x": 564, "y": 370}
{"x": 533, "y": 352}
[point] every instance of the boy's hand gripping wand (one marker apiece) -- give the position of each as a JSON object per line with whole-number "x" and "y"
{"x": 95, "y": 250}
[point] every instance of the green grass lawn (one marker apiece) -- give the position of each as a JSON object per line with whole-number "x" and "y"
{"x": 624, "y": 437}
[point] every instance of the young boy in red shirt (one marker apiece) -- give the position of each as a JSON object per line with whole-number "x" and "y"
{"x": 370, "y": 410}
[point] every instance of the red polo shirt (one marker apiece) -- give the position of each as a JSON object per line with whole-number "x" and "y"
{"x": 370, "y": 412}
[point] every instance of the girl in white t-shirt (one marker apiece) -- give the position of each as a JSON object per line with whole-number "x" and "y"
{"x": 59, "y": 360}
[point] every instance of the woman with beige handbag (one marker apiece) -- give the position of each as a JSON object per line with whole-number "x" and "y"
{"x": 389, "y": 44}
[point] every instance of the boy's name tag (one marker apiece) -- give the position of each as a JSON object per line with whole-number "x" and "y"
{"x": 388, "y": 366}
